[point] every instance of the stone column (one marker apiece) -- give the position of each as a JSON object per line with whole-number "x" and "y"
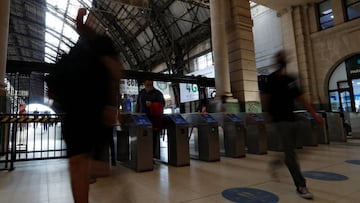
{"x": 339, "y": 12}
{"x": 219, "y": 47}
{"x": 4, "y": 32}
{"x": 296, "y": 29}
{"x": 242, "y": 65}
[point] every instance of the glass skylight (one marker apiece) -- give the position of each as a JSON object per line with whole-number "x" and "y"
{"x": 60, "y": 32}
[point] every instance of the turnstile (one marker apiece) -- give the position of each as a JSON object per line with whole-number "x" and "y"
{"x": 275, "y": 137}
{"x": 134, "y": 143}
{"x": 335, "y": 127}
{"x": 177, "y": 139}
{"x": 354, "y": 121}
{"x": 204, "y": 136}
{"x": 232, "y": 140}
{"x": 256, "y": 137}
{"x": 309, "y": 130}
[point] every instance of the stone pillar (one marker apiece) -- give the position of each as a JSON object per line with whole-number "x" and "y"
{"x": 219, "y": 47}
{"x": 313, "y": 17}
{"x": 4, "y": 31}
{"x": 289, "y": 40}
{"x": 242, "y": 64}
{"x": 339, "y": 12}
{"x": 297, "y": 28}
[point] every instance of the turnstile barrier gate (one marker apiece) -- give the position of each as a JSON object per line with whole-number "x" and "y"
{"x": 275, "y": 137}
{"x": 309, "y": 130}
{"x": 232, "y": 142}
{"x": 354, "y": 122}
{"x": 204, "y": 144}
{"x": 178, "y": 142}
{"x": 256, "y": 137}
{"x": 134, "y": 143}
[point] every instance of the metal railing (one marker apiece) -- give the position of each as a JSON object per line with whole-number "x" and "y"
{"x": 26, "y": 137}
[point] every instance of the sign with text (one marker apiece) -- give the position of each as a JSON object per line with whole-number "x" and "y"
{"x": 129, "y": 86}
{"x": 188, "y": 92}
{"x": 353, "y": 66}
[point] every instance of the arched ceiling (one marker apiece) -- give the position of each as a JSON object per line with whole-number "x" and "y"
{"x": 146, "y": 32}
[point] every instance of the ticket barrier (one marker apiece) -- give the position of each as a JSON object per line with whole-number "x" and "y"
{"x": 274, "y": 137}
{"x": 134, "y": 143}
{"x": 309, "y": 130}
{"x": 204, "y": 136}
{"x": 232, "y": 142}
{"x": 256, "y": 136}
{"x": 335, "y": 131}
{"x": 178, "y": 143}
{"x": 354, "y": 121}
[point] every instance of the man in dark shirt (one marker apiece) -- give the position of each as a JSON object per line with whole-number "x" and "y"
{"x": 151, "y": 102}
{"x": 281, "y": 92}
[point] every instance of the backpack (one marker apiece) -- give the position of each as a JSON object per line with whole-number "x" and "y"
{"x": 63, "y": 78}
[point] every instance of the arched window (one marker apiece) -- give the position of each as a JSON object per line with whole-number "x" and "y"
{"x": 344, "y": 86}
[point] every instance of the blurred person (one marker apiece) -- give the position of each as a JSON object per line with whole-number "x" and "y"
{"x": 85, "y": 84}
{"x": 203, "y": 101}
{"x": 151, "y": 102}
{"x": 221, "y": 105}
{"x": 280, "y": 95}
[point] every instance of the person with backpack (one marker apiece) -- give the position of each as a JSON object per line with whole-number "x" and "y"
{"x": 85, "y": 86}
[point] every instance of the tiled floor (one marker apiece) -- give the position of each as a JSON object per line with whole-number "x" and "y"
{"x": 48, "y": 181}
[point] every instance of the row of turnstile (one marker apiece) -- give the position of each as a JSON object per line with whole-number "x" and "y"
{"x": 209, "y": 136}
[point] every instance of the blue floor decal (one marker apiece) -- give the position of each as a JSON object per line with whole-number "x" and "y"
{"x": 249, "y": 195}
{"x": 357, "y": 162}
{"x": 320, "y": 175}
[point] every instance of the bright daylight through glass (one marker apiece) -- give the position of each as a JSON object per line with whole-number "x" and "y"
{"x": 60, "y": 26}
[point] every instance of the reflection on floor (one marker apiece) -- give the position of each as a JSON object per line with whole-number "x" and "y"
{"x": 48, "y": 182}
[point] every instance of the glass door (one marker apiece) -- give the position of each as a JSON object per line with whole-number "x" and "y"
{"x": 346, "y": 97}
{"x": 356, "y": 90}
{"x": 345, "y": 101}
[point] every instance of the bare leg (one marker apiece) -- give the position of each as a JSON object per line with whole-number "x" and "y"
{"x": 79, "y": 175}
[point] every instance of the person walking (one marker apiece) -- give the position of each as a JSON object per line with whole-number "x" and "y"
{"x": 279, "y": 98}
{"x": 85, "y": 84}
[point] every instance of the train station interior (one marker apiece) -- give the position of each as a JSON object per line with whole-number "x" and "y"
{"x": 195, "y": 51}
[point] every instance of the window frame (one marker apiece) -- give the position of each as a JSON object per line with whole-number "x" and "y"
{"x": 346, "y": 6}
{"x": 320, "y": 15}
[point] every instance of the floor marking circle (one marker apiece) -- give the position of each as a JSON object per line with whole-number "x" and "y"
{"x": 249, "y": 195}
{"x": 322, "y": 175}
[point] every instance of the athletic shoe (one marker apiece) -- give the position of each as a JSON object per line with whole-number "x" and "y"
{"x": 304, "y": 193}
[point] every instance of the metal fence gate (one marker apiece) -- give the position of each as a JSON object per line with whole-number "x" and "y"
{"x": 26, "y": 137}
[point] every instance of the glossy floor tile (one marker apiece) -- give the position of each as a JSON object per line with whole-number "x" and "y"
{"x": 202, "y": 182}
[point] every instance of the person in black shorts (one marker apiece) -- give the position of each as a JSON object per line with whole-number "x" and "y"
{"x": 88, "y": 96}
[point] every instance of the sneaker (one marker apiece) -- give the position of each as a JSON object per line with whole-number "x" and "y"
{"x": 304, "y": 193}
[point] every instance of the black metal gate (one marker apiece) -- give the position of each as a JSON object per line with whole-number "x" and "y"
{"x": 30, "y": 137}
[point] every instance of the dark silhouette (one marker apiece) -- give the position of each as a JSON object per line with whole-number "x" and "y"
{"x": 85, "y": 85}
{"x": 280, "y": 94}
